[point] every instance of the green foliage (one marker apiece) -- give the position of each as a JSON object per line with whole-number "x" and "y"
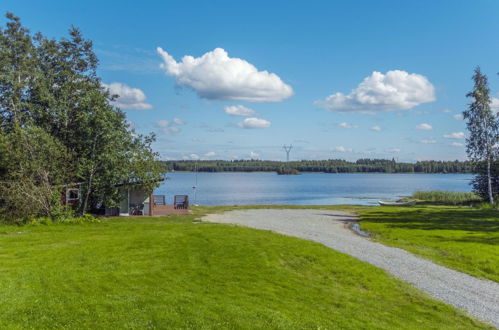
{"x": 284, "y": 170}
{"x": 458, "y": 237}
{"x": 66, "y": 218}
{"x": 52, "y": 84}
{"x": 448, "y": 197}
{"x": 172, "y": 273}
{"x": 481, "y": 181}
{"x": 83, "y": 219}
{"x": 36, "y": 166}
{"x": 327, "y": 166}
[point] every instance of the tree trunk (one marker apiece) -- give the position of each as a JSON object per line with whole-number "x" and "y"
{"x": 90, "y": 178}
{"x": 489, "y": 183}
{"x": 87, "y": 195}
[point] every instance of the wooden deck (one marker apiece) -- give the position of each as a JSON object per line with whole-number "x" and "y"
{"x": 167, "y": 210}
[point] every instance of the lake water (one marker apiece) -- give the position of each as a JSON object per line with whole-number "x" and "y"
{"x": 304, "y": 189}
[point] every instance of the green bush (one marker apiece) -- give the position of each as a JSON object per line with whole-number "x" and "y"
{"x": 67, "y": 219}
{"x": 448, "y": 197}
{"x": 86, "y": 218}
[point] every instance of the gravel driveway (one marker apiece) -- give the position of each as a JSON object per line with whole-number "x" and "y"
{"x": 480, "y": 298}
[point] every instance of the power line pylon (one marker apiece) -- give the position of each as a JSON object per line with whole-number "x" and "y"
{"x": 287, "y": 149}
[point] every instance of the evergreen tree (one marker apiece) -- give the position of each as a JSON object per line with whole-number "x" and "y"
{"x": 483, "y": 127}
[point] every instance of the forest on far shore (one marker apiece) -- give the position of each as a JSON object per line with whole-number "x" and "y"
{"x": 327, "y": 166}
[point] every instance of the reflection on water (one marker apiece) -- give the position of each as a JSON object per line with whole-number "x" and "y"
{"x": 304, "y": 189}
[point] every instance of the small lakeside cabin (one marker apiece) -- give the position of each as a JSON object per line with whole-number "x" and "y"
{"x": 135, "y": 201}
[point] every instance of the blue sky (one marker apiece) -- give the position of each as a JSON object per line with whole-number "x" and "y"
{"x": 336, "y": 79}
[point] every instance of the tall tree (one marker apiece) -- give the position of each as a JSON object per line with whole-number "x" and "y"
{"x": 17, "y": 72}
{"x": 483, "y": 127}
{"x": 53, "y": 85}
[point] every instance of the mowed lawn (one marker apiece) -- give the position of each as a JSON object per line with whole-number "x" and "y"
{"x": 463, "y": 238}
{"x": 174, "y": 272}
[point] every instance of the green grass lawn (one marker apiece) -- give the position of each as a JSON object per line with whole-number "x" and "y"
{"x": 173, "y": 272}
{"x": 458, "y": 237}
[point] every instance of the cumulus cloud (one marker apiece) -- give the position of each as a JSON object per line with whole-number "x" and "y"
{"x": 428, "y": 141}
{"x": 395, "y": 90}
{"x": 254, "y": 123}
{"x": 456, "y": 135}
{"x": 210, "y": 154}
{"x": 162, "y": 123}
{"x": 178, "y": 121}
{"x": 424, "y": 127}
{"x": 458, "y": 116}
{"x": 347, "y": 125}
{"x": 342, "y": 149}
{"x": 128, "y": 98}
{"x": 170, "y": 130}
{"x": 254, "y": 155}
{"x": 217, "y": 76}
{"x": 194, "y": 156}
{"x": 166, "y": 127}
{"x": 457, "y": 144}
{"x": 376, "y": 128}
{"x": 239, "y": 110}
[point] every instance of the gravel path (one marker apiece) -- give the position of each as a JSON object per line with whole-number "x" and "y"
{"x": 480, "y": 298}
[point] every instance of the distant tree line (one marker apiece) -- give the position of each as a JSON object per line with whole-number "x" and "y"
{"x": 327, "y": 166}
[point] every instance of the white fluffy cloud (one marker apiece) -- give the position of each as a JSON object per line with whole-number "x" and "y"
{"x": 376, "y": 128}
{"x": 428, "y": 141}
{"x": 166, "y": 126}
{"x": 217, "y": 76}
{"x": 424, "y": 127}
{"x": 342, "y": 149}
{"x": 254, "y": 155}
{"x": 457, "y": 144}
{"x": 239, "y": 110}
{"x": 162, "y": 123}
{"x": 178, "y": 121}
{"x": 455, "y": 135}
{"x": 347, "y": 125}
{"x": 128, "y": 98}
{"x": 210, "y": 154}
{"x": 395, "y": 90}
{"x": 458, "y": 116}
{"x": 254, "y": 123}
{"x": 170, "y": 130}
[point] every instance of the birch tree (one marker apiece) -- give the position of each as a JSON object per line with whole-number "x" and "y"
{"x": 483, "y": 127}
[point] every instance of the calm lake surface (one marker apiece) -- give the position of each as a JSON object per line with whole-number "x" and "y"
{"x": 304, "y": 189}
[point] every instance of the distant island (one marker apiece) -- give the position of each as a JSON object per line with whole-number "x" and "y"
{"x": 286, "y": 170}
{"x": 326, "y": 166}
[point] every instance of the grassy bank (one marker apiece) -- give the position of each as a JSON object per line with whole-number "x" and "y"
{"x": 463, "y": 238}
{"x": 174, "y": 272}
{"x": 447, "y": 197}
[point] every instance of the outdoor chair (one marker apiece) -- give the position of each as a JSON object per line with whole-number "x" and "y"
{"x": 137, "y": 209}
{"x": 181, "y": 202}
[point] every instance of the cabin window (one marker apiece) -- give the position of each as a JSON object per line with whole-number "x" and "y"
{"x": 73, "y": 194}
